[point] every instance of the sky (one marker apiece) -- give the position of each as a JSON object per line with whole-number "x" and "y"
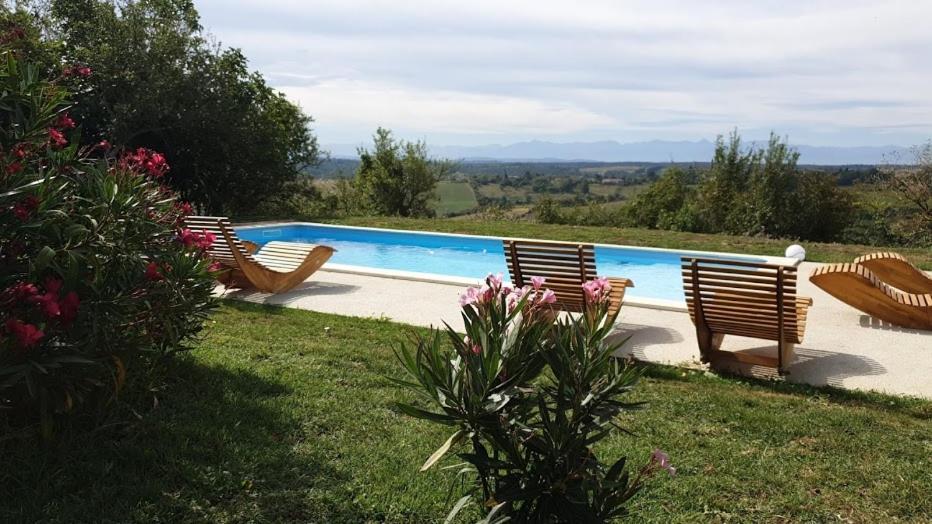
{"x": 475, "y": 72}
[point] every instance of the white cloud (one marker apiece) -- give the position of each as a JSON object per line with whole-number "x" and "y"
{"x": 367, "y": 105}
{"x": 836, "y": 70}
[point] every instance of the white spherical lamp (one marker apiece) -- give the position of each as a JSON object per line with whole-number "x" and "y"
{"x": 796, "y": 251}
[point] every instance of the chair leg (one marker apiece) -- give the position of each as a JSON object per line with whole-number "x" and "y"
{"x": 788, "y": 348}
{"x": 708, "y": 342}
{"x": 717, "y": 341}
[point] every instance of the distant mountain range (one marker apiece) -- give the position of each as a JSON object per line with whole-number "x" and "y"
{"x": 651, "y": 151}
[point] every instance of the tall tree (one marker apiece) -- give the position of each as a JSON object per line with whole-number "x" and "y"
{"x": 157, "y": 82}
{"x": 912, "y": 185}
{"x": 397, "y": 177}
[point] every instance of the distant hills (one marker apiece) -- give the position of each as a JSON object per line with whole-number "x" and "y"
{"x": 651, "y": 151}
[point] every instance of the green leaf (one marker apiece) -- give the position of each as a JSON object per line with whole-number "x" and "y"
{"x": 455, "y": 438}
{"x": 412, "y": 411}
{"x": 43, "y": 258}
{"x": 456, "y": 509}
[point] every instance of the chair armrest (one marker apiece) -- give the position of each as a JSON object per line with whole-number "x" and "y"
{"x": 619, "y": 281}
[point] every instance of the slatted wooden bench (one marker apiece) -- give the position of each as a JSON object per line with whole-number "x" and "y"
{"x": 565, "y": 266}
{"x": 274, "y": 268}
{"x": 748, "y": 299}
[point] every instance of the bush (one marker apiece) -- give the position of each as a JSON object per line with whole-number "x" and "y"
{"x": 528, "y": 399}
{"x": 95, "y": 277}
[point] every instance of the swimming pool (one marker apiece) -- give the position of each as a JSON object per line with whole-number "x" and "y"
{"x": 655, "y": 272}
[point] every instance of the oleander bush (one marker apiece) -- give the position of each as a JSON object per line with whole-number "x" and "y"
{"x": 526, "y": 400}
{"x": 97, "y": 280}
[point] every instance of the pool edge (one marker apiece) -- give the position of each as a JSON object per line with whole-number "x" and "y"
{"x": 782, "y": 261}
{"x": 647, "y": 303}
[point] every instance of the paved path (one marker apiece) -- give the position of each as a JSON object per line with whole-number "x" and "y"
{"x": 842, "y": 346}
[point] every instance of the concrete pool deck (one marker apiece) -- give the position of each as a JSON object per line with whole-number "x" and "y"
{"x": 842, "y": 347}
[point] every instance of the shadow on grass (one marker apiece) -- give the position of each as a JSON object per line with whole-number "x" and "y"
{"x": 912, "y": 406}
{"x": 217, "y": 445}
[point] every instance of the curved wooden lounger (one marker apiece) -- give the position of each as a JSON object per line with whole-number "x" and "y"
{"x": 895, "y": 270}
{"x": 860, "y": 288}
{"x": 274, "y": 268}
{"x": 566, "y": 267}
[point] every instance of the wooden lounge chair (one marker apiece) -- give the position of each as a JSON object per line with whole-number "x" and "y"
{"x": 895, "y": 270}
{"x": 862, "y": 289}
{"x": 274, "y": 268}
{"x": 748, "y": 299}
{"x": 566, "y": 267}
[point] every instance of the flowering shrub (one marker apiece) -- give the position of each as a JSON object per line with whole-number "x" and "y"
{"x": 527, "y": 399}
{"x": 96, "y": 276}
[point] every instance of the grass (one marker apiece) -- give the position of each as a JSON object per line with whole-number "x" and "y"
{"x": 275, "y": 418}
{"x": 455, "y": 198}
{"x": 815, "y": 251}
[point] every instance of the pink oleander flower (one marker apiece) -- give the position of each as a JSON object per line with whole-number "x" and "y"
{"x": 80, "y": 71}
{"x": 537, "y": 282}
{"x": 56, "y": 138}
{"x": 153, "y": 274}
{"x": 146, "y": 161}
{"x": 206, "y": 239}
{"x": 661, "y": 460}
{"x": 184, "y": 208}
{"x": 26, "y": 335}
{"x": 597, "y": 290}
{"x": 548, "y": 297}
{"x": 64, "y": 121}
{"x": 494, "y": 281}
{"x": 69, "y": 308}
{"x": 25, "y": 208}
{"x": 486, "y": 294}
{"x": 21, "y": 150}
{"x": 469, "y": 297}
{"x": 474, "y": 348}
{"x": 21, "y": 291}
{"x": 48, "y": 301}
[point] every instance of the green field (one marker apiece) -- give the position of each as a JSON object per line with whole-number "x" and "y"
{"x": 454, "y": 198}
{"x": 282, "y": 415}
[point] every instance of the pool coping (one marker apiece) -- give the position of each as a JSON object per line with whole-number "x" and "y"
{"x": 650, "y": 303}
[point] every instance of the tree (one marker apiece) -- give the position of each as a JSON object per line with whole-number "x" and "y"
{"x": 719, "y": 200}
{"x": 913, "y": 186}
{"x": 397, "y": 177}
{"x": 663, "y": 203}
{"x": 157, "y": 82}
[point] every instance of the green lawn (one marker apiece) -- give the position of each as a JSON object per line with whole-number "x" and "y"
{"x": 455, "y": 197}
{"x": 816, "y": 251}
{"x": 274, "y": 418}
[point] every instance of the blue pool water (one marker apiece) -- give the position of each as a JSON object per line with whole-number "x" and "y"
{"x": 656, "y": 274}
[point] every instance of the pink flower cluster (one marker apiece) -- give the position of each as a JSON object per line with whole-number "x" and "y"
{"x": 202, "y": 240}
{"x": 48, "y": 300}
{"x": 26, "y": 335}
{"x": 147, "y": 161}
{"x": 659, "y": 459}
{"x": 25, "y": 208}
{"x": 57, "y": 139}
{"x": 78, "y": 71}
{"x": 52, "y": 304}
{"x": 494, "y": 289}
{"x": 597, "y": 291}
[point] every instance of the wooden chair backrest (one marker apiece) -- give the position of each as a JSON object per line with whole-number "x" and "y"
{"x": 566, "y": 267}
{"x": 742, "y": 298}
{"x": 220, "y": 250}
